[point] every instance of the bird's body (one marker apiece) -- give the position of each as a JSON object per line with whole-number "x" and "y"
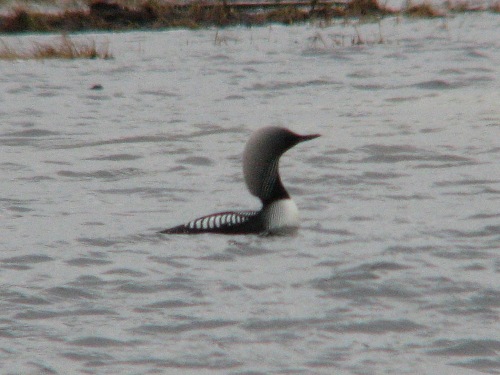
{"x": 279, "y": 214}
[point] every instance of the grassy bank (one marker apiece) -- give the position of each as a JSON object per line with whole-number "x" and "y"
{"x": 156, "y": 14}
{"x": 64, "y": 48}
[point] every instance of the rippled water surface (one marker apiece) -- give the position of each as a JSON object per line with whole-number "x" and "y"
{"x": 394, "y": 271}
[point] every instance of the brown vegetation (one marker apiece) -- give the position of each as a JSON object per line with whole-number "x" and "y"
{"x": 424, "y": 10}
{"x": 24, "y": 20}
{"x": 152, "y": 14}
{"x": 155, "y": 14}
{"x": 65, "y": 48}
{"x": 462, "y": 6}
{"x": 359, "y": 8}
{"x": 495, "y": 7}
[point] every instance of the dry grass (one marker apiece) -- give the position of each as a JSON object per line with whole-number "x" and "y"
{"x": 424, "y": 10}
{"x": 22, "y": 19}
{"x": 287, "y": 15}
{"x": 64, "y": 48}
{"x": 364, "y": 8}
{"x": 495, "y": 7}
{"x": 156, "y": 14}
{"x": 462, "y": 6}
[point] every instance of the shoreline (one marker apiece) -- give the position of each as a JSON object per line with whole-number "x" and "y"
{"x": 103, "y": 15}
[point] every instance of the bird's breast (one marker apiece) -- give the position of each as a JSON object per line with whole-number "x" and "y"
{"x": 281, "y": 216}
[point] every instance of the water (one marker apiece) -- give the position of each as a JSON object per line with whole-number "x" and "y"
{"x": 395, "y": 268}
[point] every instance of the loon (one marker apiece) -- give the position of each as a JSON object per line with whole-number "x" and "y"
{"x": 279, "y": 214}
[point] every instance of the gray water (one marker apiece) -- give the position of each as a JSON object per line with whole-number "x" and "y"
{"x": 395, "y": 268}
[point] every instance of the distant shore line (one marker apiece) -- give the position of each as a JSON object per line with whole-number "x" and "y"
{"x": 110, "y": 15}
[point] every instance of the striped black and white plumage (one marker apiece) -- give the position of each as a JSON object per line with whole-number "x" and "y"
{"x": 279, "y": 213}
{"x": 221, "y": 222}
